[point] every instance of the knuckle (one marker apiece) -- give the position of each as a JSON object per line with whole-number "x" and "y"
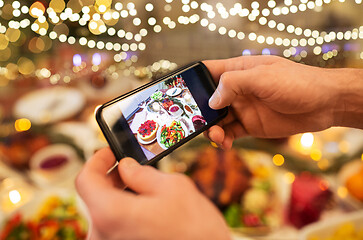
{"x": 225, "y": 78}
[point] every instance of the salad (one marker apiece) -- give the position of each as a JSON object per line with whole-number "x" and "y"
{"x": 56, "y": 219}
{"x": 172, "y": 134}
{"x": 157, "y": 95}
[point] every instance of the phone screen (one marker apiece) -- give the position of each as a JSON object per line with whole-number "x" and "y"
{"x": 160, "y": 116}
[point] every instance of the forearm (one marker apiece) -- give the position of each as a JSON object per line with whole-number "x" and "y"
{"x": 349, "y": 106}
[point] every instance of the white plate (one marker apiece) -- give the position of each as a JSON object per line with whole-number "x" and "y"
{"x": 49, "y": 105}
{"x": 189, "y": 113}
{"x": 325, "y": 229}
{"x": 168, "y": 123}
{"x": 174, "y": 91}
{"x": 145, "y": 142}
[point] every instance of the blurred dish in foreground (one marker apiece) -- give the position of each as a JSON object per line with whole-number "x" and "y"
{"x": 49, "y": 105}
{"x": 54, "y": 164}
{"x": 347, "y": 226}
{"x": 52, "y": 215}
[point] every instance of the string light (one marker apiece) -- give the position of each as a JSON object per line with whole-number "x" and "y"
{"x": 99, "y": 21}
{"x": 275, "y": 10}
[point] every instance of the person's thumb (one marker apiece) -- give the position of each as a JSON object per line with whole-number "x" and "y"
{"x": 139, "y": 178}
{"x": 230, "y": 85}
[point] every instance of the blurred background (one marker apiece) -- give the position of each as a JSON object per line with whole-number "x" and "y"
{"x": 60, "y": 59}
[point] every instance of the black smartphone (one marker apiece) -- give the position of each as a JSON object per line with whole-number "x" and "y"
{"x": 153, "y": 120}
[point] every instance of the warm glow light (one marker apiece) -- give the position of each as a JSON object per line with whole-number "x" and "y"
{"x": 278, "y": 159}
{"x": 323, "y": 164}
{"x": 22, "y": 124}
{"x": 290, "y": 177}
{"x": 316, "y": 154}
{"x": 14, "y": 196}
{"x": 307, "y": 140}
{"x": 342, "y": 192}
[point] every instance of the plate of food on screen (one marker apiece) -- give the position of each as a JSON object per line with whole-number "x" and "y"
{"x": 153, "y": 107}
{"x": 166, "y": 103}
{"x": 172, "y": 92}
{"x": 198, "y": 122}
{"x": 171, "y": 133}
{"x": 146, "y": 133}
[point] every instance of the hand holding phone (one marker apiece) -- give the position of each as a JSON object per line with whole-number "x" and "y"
{"x": 153, "y": 120}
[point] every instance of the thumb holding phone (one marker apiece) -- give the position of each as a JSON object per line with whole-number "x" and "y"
{"x": 164, "y": 206}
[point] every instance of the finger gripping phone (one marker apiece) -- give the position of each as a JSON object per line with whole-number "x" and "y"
{"x": 153, "y": 120}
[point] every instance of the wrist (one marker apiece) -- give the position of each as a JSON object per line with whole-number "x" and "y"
{"x": 348, "y": 109}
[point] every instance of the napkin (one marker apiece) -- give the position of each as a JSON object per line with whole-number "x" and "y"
{"x": 138, "y": 120}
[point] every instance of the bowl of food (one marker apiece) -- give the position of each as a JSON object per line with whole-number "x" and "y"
{"x": 55, "y": 164}
{"x": 188, "y": 110}
{"x": 175, "y": 110}
{"x": 198, "y": 122}
{"x": 153, "y": 107}
{"x": 157, "y": 96}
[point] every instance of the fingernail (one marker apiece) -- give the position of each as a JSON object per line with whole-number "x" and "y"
{"x": 129, "y": 163}
{"x": 214, "y": 100}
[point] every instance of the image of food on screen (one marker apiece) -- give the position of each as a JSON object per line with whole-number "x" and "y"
{"x": 162, "y": 115}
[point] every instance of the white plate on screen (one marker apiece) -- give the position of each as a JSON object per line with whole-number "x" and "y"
{"x": 145, "y": 142}
{"x": 172, "y": 92}
{"x": 49, "y": 105}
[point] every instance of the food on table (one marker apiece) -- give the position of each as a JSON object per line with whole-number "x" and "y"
{"x": 198, "y": 122}
{"x": 354, "y": 184}
{"x": 153, "y": 107}
{"x": 19, "y": 148}
{"x": 157, "y": 95}
{"x": 221, "y": 175}
{"x": 147, "y": 130}
{"x": 174, "y": 92}
{"x": 54, "y": 161}
{"x": 156, "y": 106}
{"x": 54, "y": 164}
{"x": 175, "y": 81}
{"x": 233, "y": 180}
{"x": 166, "y": 103}
{"x": 345, "y": 231}
{"x": 172, "y": 134}
{"x": 175, "y": 110}
{"x": 188, "y": 109}
{"x": 56, "y": 219}
{"x": 188, "y": 97}
{"x": 309, "y": 196}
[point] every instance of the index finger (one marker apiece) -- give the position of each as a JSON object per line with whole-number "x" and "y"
{"x": 101, "y": 162}
{"x": 94, "y": 172}
{"x": 218, "y": 67}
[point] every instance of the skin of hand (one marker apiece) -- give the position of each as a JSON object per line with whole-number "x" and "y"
{"x": 164, "y": 206}
{"x": 272, "y": 97}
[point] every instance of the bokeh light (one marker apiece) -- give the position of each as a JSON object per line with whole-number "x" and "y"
{"x": 22, "y": 124}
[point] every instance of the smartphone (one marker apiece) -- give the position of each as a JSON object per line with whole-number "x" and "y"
{"x": 153, "y": 120}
